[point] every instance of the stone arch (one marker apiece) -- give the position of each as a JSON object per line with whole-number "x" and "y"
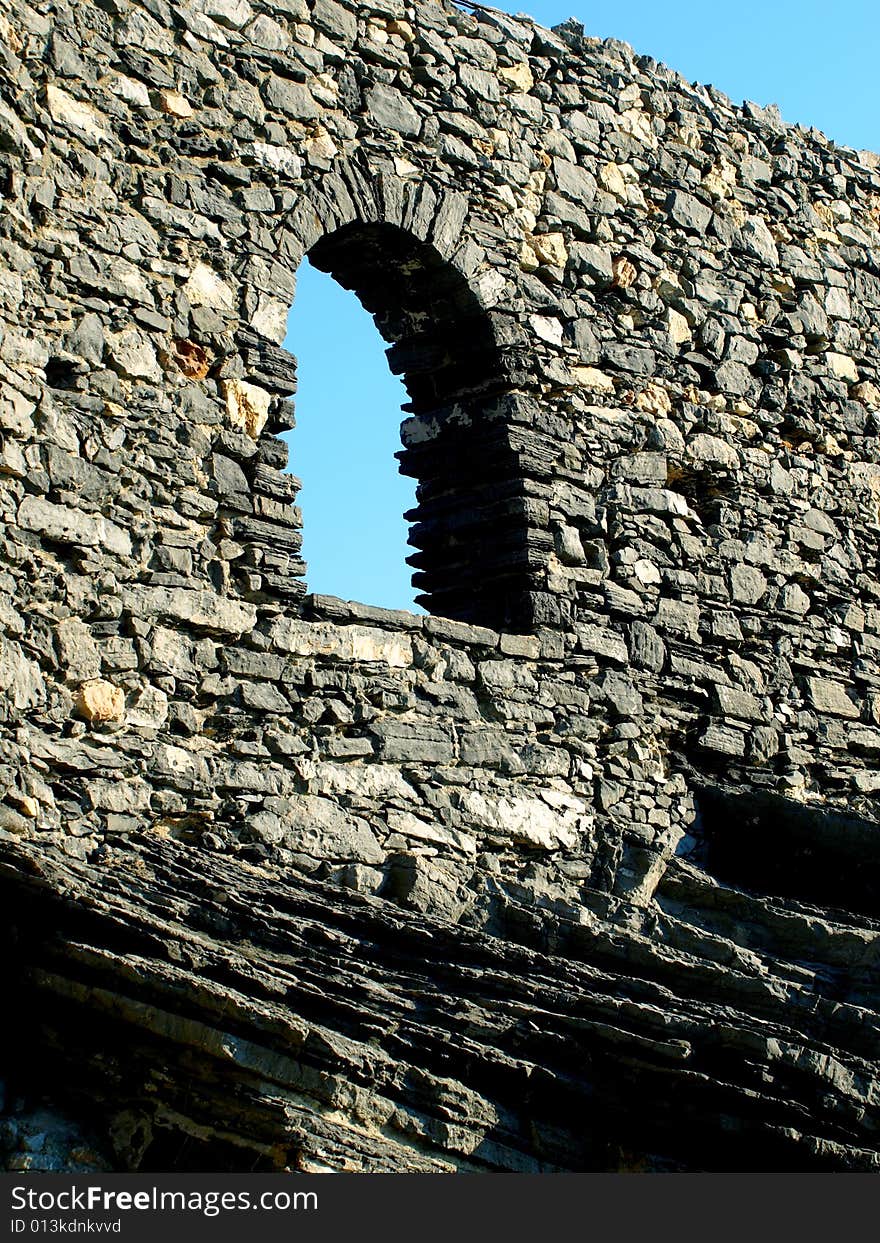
{"x": 468, "y": 526}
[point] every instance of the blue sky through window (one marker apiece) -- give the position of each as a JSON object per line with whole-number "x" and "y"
{"x": 348, "y": 412}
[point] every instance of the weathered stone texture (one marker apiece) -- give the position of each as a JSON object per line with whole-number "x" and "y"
{"x": 583, "y": 870}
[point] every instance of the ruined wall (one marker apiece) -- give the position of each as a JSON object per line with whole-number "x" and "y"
{"x": 639, "y": 329}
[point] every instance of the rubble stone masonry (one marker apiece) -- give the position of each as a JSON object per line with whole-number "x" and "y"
{"x": 579, "y": 871}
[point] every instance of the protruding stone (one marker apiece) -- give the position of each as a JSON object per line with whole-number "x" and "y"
{"x": 247, "y": 406}
{"x": 688, "y": 212}
{"x": 653, "y": 399}
{"x": 747, "y": 584}
{"x": 100, "y": 701}
{"x": 134, "y": 355}
{"x": 549, "y": 248}
{"x": 868, "y": 394}
{"x": 794, "y": 599}
{"x": 175, "y": 105}
{"x": 149, "y": 710}
{"x": 69, "y": 525}
{"x": 519, "y": 76}
{"x": 713, "y": 451}
{"x": 320, "y": 149}
{"x": 76, "y": 114}
{"x": 77, "y": 651}
{"x": 21, "y": 680}
{"x": 548, "y": 328}
{"x": 391, "y": 110}
{"x": 828, "y": 696}
{"x": 757, "y": 240}
{"x": 592, "y": 378}
{"x": 231, "y": 13}
{"x": 205, "y": 288}
{"x": 569, "y": 548}
{"x": 842, "y": 366}
{"x": 266, "y": 33}
{"x": 611, "y": 179}
{"x": 723, "y": 739}
{"x": 678, "y": 326}
{"x": 398, "y": 26}
{"x": 624, "y": 273}
{"x": 192, "y": 359}
{"x": 359, "y": 643}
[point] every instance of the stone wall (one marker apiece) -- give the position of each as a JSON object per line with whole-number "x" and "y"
{"x": 638, "y": 327}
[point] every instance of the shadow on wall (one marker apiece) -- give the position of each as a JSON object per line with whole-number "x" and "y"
{"x": 770, "y": 845}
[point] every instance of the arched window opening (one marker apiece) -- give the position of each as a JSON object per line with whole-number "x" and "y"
{"x": 343, "y": 449}
{"x": 468, "y": 525}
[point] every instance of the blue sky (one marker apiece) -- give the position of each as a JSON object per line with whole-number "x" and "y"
{"x": 818, "y": 62}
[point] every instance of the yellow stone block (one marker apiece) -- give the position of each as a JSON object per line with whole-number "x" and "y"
{"x": 519, "y": 76}
{"x": 98, "y": 700}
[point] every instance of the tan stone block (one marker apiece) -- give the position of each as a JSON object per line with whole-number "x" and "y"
{"x": 528, "y": 260}
{"x": 9, "y": 36}
{"x": 397, "y": 26}
{"x": 825, "y": 214}
{"x": 611, "y": 179}
{"x": 842, "y": 366}
{"x": 134, "y": 355}
{"x": 625, "y": 273}
{"x": 678, "y": 326}
{"x": 76, "y": 114}
{"x": 175, "y": 105}
{"x": 100, "y": 701}
{"x": 205, "y": 288}
{"x": 592, "y": 378}
{"x": 247, "y": 406}
{"x": 734, "y": 211}
{"x": 550, "y": 248}
{"x": 320, "y": 147}
{"x": 653, "y": 399}
{"x": 868, "y": 394}
{"x": 519, "y": 76}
